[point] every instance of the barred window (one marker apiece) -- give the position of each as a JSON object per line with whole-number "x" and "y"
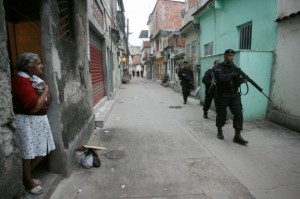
{"x": 194, "y": 50}
{"x": 64, "y": 17}
{"x": 245, "y": 36}
{"x": 208, "y": 49}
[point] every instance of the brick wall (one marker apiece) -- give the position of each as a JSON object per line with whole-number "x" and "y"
{"x": 136, "y": 59}
{"x": 166, "y": 15}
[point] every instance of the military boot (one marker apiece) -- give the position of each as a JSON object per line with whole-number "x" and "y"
{"x": 205, "y": 115}
{"x": 184, "y": 100}
{"x": 220, "y": 134}
{"x": 238, "y": 138}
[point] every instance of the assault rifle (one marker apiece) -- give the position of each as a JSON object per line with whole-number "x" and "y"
{"x": 213, "y": 80}
{"x": 245, "y": 76}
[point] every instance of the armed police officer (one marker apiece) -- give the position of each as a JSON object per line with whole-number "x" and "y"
{"x": 186, "y": 77}
{"x": 228, "y": 81}
{"x": 209, "y": 81}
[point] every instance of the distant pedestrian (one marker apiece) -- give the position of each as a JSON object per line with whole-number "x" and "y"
{"x": 228, "y": 80}
{"x": 186, "y": 77}
{"x": 130, "y": 72}
{"x": 210, "y": 84}
{"x": 142, "y": 72}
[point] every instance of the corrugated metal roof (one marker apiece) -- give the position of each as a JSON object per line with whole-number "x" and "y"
{"x": 143, "y": 34}
{"x": 279, "y": 19}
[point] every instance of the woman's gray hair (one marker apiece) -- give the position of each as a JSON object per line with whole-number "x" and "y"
{"x": 26, "y": 59}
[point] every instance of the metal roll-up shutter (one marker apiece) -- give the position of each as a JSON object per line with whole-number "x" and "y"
{"x": 97, "y": 73}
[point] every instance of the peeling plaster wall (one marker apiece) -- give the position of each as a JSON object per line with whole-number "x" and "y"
{"x": 10, "y": 160}
{"x": 285, "y": 92}
{"x": 68, "y": 76}
{"x": 70, "y": 113}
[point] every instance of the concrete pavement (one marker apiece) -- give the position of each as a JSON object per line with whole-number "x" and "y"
{"x": 160, "y": 148}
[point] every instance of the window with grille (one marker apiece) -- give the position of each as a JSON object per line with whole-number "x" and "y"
{"x": 194, "y": 50}
{"x": 64, "y": 19}
{"x": 188, "y": 50}
{"x": 157, "y": 45}
{"x": 208, "y": 49}
{"x": 245, "y": 36}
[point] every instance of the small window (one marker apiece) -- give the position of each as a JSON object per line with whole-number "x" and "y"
{"x": 194, "y": 50}
{"x": 64, "y": 19}
{"x": 188, "y": 50}
{"x": 157, "y": 45}
{"x": 245, "y": 36}
{"x": 208, "y": 49}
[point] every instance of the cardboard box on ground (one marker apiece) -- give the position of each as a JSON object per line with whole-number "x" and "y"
{"x": 88, "y": 156}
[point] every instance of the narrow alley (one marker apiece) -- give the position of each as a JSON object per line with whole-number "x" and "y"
{"x": 158, "y": 147}
{"x": 70, "y": 64}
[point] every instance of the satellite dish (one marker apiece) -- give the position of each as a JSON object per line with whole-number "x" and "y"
{"x": 182, "y": 13}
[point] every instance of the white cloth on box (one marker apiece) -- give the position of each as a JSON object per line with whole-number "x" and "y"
{"x": 37, "y": 84}
{"x": 36, "y": 81}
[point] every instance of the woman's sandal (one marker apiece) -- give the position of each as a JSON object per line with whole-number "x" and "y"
{"x": 36, "y": 190}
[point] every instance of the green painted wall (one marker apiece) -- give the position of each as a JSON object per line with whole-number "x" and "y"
{"x": 207, "y": 31}
{"x": 220, "y": 26}
{"x": 257, "y": 65}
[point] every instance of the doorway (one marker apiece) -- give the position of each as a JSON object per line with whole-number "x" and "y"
{"x": 23, "y": 28}
{"x": 24, "y": 35}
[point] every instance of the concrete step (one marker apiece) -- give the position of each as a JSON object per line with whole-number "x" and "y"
{"x": 102, "y": 111}
{"x": 49, "y": 181}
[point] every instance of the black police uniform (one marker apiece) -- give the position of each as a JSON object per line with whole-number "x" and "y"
{"x": 228, "y": 82}
{"x": 186, "y": 82}
{"x": 209, "y": 90}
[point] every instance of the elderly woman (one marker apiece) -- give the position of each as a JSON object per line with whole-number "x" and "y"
{"x": 31, "y": 99}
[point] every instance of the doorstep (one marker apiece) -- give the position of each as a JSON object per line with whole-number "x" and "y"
{"x": 49, "y": 183}
{"x": 102, "y": 111}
